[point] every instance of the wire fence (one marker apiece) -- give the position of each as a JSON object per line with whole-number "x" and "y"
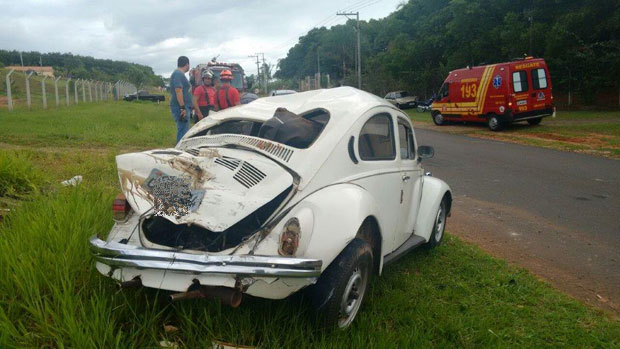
{"x": 27, "y": 90}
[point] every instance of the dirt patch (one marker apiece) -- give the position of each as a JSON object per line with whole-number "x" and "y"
{"x": 581, "y": 268}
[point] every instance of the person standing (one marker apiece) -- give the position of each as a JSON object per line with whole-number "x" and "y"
{"x": 227, "y": 95}
{"x": 204, "y": 96}
{"x": 180, "y": 97}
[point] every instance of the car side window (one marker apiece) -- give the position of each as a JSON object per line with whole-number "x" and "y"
{"x": 405, "y": 137}
{"x": 444, "y": 91}
{"x": 376, "y": 140}
{"x": 519, "y": 81}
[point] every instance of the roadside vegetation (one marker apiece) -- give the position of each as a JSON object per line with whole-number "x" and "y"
{"x": 588, "y": 132}
{"x": 52, "y": 296}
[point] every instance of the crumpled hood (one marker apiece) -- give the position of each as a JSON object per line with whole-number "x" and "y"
{"x": 211, "y": 187}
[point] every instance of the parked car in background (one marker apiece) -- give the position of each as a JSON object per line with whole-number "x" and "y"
{"x": 281, "y": 92}
{"x": 144, "y": 96}
{"x": 402, "y": 99}
{"x": 315, "y": 191}
{"x": 496, "y": 94}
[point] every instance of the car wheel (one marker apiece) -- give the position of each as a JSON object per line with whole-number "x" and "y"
{"x": 338, "y": 294}
{"x": 438, "y": 119}
{"x": 495, "y": 124}
{"x": 439, "y": 226}
{"x": 535, "y": 121}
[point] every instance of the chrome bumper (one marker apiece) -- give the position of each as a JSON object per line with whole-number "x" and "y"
{"x": 121, "y": 255}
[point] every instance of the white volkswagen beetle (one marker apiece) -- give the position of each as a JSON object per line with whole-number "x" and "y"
{"x": 316, "y": 190}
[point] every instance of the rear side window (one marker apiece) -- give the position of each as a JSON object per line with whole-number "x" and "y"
{"x": 519, "y": 81}
{"x": 376, "y": 140}
{"x": 405, "y": 136}
{"x": 539, "y": 79}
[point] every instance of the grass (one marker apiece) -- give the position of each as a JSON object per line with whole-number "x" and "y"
{"x": 51, "y": 295}
{"x": 591, "y": 132}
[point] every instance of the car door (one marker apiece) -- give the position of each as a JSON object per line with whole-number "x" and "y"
{"x": 411, "y": 182}
{"x": 380, "y": 171}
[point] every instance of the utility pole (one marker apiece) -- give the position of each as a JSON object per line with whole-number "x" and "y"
{"x": 359, "y": 57}
{"x": 21, "y": 58}
{"x": 318, "y": 64}
{"x": 264, "y": 72}
{"x": 257, "y": 68}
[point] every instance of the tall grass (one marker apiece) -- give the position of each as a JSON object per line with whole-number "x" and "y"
{"x": 18, "y": 176}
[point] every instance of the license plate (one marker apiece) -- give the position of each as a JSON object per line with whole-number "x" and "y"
{"x": 172, "y": 195}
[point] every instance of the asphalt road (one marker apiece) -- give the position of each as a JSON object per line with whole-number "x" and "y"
{"x": 555, "y": 213}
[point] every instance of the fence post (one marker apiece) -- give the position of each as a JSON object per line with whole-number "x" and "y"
{"x": 8, "y": 89}
{"x": 90, "y": 90}
{"x": 97, "y": 91}
{"x": 84, "y": 91}
{"x": 43, "y": 91}
{"x": 67, "y": 91}
{"x": 75, "y": 90}
{"x": 56, "y": 91}
{"x": 28, "y": 99}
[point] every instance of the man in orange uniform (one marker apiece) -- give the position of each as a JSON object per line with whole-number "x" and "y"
{"x": 227, "y": 96}
{"x": 204, "y": 96}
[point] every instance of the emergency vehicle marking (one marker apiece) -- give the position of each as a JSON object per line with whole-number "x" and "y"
{"x": 527, "y": 65}
{"x": 541, "y": 96}
{"x": 478, "y": 104}
{"x": 522, "y": 102}
{"x": 497, "y": 81}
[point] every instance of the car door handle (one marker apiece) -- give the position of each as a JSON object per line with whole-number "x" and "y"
{"x": 406, "y": 178}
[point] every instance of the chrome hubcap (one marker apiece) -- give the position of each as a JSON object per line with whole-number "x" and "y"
{"x": 439, "y": 118}
{"x": 352, "y": 298}
{"x": 493, "y": 122}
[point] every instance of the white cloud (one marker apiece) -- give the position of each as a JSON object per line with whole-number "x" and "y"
{"x": 156, "y": 32}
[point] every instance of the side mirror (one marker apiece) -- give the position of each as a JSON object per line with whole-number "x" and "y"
{"x": 425, "y": 152}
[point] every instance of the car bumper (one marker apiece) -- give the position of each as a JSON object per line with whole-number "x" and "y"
{"x": 122, "y": 255}
{"x": 262, "y": 276}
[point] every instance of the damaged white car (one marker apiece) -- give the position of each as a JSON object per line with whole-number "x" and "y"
{"x": 316, "y": 191}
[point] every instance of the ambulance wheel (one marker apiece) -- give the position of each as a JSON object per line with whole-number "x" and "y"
{"x": 495, "y": 124}
{"x": 534, "y": 121}
{"x": 438, "y": 119}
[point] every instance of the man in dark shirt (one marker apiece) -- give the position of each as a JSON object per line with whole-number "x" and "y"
{"x": 180, "y": 97}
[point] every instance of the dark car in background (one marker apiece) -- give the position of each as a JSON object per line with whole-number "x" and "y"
{"x": 144, "y": 96}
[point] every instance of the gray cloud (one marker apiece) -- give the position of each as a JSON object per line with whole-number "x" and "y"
{"x": 156, "y": 32}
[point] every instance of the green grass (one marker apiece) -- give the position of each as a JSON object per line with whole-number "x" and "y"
{"x": 592, "y": 132}
{"x": 51, "y": 295}
{"x": 110, "y": 124}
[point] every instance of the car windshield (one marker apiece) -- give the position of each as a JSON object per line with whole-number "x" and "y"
{"x": 298, "y": 131}
{"x": 403, "y": 94}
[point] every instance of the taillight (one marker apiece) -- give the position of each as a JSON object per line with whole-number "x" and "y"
{"x": 289, "y": 239}
{"x": 120, "y": 208}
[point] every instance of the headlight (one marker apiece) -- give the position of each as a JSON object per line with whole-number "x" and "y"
{"x": 289, "y": 239}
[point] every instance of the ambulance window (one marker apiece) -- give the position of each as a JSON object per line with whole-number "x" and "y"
{"x": 376, "y": 140}
{"x": 539, "y": 79}
{"x": 519, "y": 81}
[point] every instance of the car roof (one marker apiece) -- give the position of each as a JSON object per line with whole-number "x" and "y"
{"x": 341, "y": 102}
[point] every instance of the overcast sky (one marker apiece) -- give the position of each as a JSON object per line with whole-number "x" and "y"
{"x": 156, "y": 32}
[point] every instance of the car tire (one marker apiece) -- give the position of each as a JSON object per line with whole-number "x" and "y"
{"x": 495, "y": 123}
{"x": 439, "y": 227}
{"x": 438, "y": 118}
{"x": 337, "y": 296}
{"x": 534, "y": 122}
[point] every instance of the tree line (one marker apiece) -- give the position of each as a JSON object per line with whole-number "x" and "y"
{"x": 84, "y": 67}
{"x": 416, "y": 46}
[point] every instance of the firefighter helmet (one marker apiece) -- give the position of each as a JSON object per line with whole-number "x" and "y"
{"x": 207, "y": 74}
{"x": 226, "y": 75}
